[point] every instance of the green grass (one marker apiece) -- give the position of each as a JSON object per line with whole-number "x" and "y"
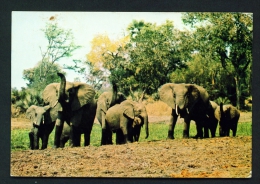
{"x": 157, "y": 131}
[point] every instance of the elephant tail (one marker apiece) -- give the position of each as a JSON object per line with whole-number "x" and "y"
{"x": 221, "y": 111}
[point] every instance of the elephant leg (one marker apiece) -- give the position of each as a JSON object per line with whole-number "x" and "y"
{"x": 234, "y": 130}
{"x": 87, "y": 138}
{"x": 136, "y": 133}
{"x": 31, "y": 137}
{"x": 63, "y": 140}
{"x": 130, "y": 134}
{"x": 125, "y": 133}
{"x": 213, "y": 128}
{"x": 199, "y": 131}
{"x": 75, "y": 136}
{"x": 109, "y": 137}
{"x": 206, "y": 129}
{"x": 45, "y": 139}
{"x": 104, "y": 135}
{"x": 58, "y": 131}
{"x": 186, "y": 128}
{"x": 119, "y": 137}
{"x": 172, "y": 124}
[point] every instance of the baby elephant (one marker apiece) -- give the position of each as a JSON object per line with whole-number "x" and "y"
{"x": 228, "y": 117}
{"x": 43, "y": 121}
{"x": 135, "y": 132}
{"x": 42, "y": 125}
{"x": 126, "y": 119}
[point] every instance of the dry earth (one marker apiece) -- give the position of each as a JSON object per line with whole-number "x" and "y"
{"x": 225, "y": 157}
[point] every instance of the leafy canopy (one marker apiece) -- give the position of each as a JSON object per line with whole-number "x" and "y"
{"x": 226, "y": 38}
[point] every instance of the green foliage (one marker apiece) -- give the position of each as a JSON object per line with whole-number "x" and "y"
{"x": 222, "y": 100}
{"x": 24, "y": 98}
{"x": 146, "y": 61}
{"x": 20, "y": 139}
{"x": 94, "y": 76}
{"x": 226, "y": 38}
{"x": 60, "y": 45}
{"x": 42, "y": 74}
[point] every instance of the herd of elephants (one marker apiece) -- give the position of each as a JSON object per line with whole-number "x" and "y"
{"x": 71, "y": 108}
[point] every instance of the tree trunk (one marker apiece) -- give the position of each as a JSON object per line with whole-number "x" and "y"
{"x": 237, "y": 92}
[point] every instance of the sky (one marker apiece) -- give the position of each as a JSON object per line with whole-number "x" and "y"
{"x": 28, "y": 37}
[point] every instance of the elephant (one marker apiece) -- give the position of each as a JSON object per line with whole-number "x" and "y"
{"x": 120, "y": 119}
{"x": 135, "y": 134}
{"x": 228, "y": 117}
{"x": 191, "y": 102}
{"x": 104, "y": 102}
{"x": 42, "y": 125}
{"x": 43, "y": 122}
{"x": 76, "y": 105}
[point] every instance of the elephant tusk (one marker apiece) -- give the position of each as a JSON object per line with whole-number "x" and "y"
{"x": 176, "y": 108}
{"x": 187, "y": 111}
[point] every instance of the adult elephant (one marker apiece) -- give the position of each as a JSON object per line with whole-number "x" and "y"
{"x": 42, "y": 125}
{"x": 120, "y": 119}
{"x": 191, "y": 102}
{"x": 228, "y": 117}
{"x": 104, "y": 102}
{"x": 76, "y": 105}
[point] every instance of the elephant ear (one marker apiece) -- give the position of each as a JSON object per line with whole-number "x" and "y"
{"x": 193, "y": 93}
{"x": 203, "y": 93}
{"x": 50, "y": 94}
{"x": 166, "y": 93}
{"x": 128, "y": 109}
{"x": 198, "y": 92}
{"x": 84, "y": 94}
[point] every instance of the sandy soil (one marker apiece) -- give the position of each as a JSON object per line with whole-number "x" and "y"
{"x": 225, "y": 157}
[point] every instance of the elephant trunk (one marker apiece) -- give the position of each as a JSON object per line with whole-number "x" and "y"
{"x": 146, "y": 126}
{"x": 114, "y": 95}
{"x": 61, "y": 98}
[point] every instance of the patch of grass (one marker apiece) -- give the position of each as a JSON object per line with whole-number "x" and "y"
{"x": 19, "y": 139}
{"x": 157, "y": 131}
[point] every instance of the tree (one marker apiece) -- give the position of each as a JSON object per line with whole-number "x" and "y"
{"x": 22, "y": 99}
{"x": 100, "y": 59}
{"x": 42, "y": 74}
{"x": 227, "y": 38}
{"x": 154, "y": 54}
{"x": 60, "y": 45}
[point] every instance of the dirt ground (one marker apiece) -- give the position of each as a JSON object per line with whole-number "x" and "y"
{"x": 224, "y": 157}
